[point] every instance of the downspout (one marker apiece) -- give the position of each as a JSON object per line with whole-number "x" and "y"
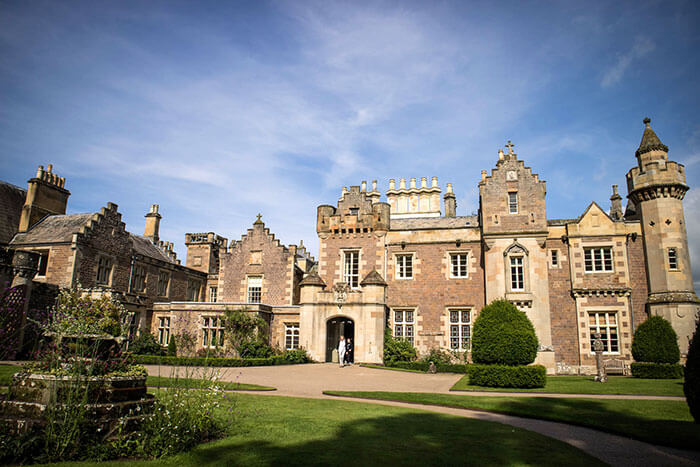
{"x": 629, "y": 271}
{"x": 131, "y": 273}
{"x": 74, "y": 245}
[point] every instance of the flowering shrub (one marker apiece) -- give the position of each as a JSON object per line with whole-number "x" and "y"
{"x": 78, "y": 314}
{"x": 63, "y": 361}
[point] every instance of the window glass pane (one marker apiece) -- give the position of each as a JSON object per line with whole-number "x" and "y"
{"x": 398, "y": 316}
{"x": 465, "y": 316}
{"x": 409, "y": 316}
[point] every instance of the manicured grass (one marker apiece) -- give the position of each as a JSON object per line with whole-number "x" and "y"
{"x": 291, "y": 431}
{"x": 163, "y": 382}
{"x": 667, "y": 423}
{"x": 6, "y": 372}
{"x": 586, "y": 385}
{"x": 382, "y": 367}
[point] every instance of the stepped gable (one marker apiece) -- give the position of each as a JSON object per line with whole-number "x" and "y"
{"x": 373, "y": 278}
{"x": 11, "y": 201}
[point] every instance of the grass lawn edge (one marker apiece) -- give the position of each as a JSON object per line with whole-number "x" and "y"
{"x": 604, "y": 429}
{"x": 390, "y": 368}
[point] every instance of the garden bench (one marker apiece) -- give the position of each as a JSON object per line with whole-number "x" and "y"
{"x": 615, "y": 365}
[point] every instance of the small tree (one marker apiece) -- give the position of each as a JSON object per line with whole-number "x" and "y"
{"x": 691, "y": 386}
{"x": 397, "y": 349}
{"x": 245, "y": 330}
{"x": 172, "y": 347}
{"x": 503, "y": 335}
{"x": 655, "y": 341}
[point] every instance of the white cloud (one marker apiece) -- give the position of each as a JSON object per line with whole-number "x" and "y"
{"x": 641, "y": 47}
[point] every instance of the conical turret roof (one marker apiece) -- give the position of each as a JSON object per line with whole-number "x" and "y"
{"x": 650, "y": 142}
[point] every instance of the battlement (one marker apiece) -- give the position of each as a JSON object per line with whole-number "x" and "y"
{"x": 657, "y": 174}
{"x": 209, "y": 238}
{"x": 47, "y": 176}
{"x": 358, "y": 211}
{"x": 423, "y": 201}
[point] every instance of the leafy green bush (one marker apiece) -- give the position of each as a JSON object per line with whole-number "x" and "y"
{"x": 255, "y": 349}
{"x": 437, "y": 356}
{"x": 508, "y": 376}
{"x": 655, "y": 341}
{"x": 145, "y": 344}
{"x": 296, "y": 356}
{"x": 650, "y": 370}
{"x": 691, "y": 386}
{"x": 172, "y": 347}
{"x": 397, "y": 350}
{"x": 503, "y": 335}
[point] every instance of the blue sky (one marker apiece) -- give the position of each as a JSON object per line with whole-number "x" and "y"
{"x": 220, "y": 110}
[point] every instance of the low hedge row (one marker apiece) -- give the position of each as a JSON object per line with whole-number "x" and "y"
{"x": 656, "y": 370}
{"x": 503, "y": 376}
{"x": 201, "y": 361}
{"x": 423, "y": 366}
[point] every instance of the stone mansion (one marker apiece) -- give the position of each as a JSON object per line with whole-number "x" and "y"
{"x": 408, "y": 262}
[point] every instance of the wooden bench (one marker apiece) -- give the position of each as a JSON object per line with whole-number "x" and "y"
{"x": 615, "y": 365}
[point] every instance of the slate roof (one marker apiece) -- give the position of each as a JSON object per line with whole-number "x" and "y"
{"x": 53, "y": 229}
{"x": 415, "y": 223}
{"x": 144, "y": 246}
{"x": 561, "y": 221}
{"x": 312, "y": 279}
{"x": 11, "y": 202}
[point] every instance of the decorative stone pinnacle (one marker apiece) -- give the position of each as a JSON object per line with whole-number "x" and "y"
{"x": 510, "y": 147}
{"x": 647, "y": 121}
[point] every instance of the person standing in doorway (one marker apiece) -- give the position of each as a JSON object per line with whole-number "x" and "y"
{"x": 349, "y": 358}
{"x": 341, "y": 351}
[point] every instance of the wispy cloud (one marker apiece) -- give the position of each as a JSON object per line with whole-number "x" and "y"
{"x": 642, "y": 46}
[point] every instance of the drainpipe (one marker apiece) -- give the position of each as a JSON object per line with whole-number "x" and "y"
{"x": 131, "y": 273}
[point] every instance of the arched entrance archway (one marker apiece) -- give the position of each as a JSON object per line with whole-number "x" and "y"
{"x": 336, "y": 327}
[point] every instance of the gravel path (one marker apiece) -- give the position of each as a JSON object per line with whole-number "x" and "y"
{"x": 311, "y": 380}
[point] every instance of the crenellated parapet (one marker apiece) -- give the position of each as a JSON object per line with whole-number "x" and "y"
{"x": 658, "y": 178}
{"x": 414, "y": 201}
{"x": 357, "y": 212}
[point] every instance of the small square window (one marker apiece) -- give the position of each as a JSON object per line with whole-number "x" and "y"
{"x": 459, "y": 266}
{"x": 672, "y": 259}
{"x": 555, "y": 258}
{"x": 404, "y": 266}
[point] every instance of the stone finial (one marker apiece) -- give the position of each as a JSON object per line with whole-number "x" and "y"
{"x": 374, "y": 185}
{"x": 413, "y": 182}
{"x": 500, "y": 154}
{"x": 392, "y": 184}
{"x": 510, "y": 147}
{"x": 364, "y": 185}
{"x": 616, "y": 205}
{"x": 449, "y": 188}
{"x": 402, "y": 184}
{"x": 423, "y": 182}
{"x": 483, "y": 175}
{"x": 259, "y": 219}
{"x": 434, "y": 184}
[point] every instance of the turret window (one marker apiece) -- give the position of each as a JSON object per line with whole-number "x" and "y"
{"x": 351, "y": 268}
{"x": 555, "y": 258}
{"x": 598, "y": 259}
{"x": 672, "y": 259}
{"x": 513, "y": 202}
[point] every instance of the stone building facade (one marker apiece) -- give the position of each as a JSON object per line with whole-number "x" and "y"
{"x": 409, "y": 263}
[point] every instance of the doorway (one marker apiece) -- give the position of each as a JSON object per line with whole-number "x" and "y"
{"x": 336, "y": 327}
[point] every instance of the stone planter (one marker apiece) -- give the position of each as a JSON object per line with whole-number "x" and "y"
{"x": 105, "y": 399}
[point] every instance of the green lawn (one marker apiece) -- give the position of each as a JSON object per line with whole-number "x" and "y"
{"x": 391, "y": 368}
{"x": 6, "y": 372}
{"x": 667, "y": 423}
{"x": 291, "y": 431}
{"x": 586, "y": 385}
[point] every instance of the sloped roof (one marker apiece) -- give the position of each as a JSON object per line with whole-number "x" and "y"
{"x": 413, "y": 223}
{"x": 144, "y": 246}
{"x": 312, "y": 279}
{"x": 561, "y": 221}
{"x": 11, "y": 202}
{"x": 373, "y": 278}
{"x": 53, "y": 229}
{"x": 650, "y": 142}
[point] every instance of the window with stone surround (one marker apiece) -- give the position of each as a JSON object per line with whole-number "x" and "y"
{"x": 598, "y": 259}
{"x": 212, "y": 331}
{"x": 554, "y": 258}
{"x": 351, "y": 268}
{"x": 404, "y": 266}
{"x": 130, "y": 323}
{"x": 459, "y": 267}
{"x": 673, "y": 259}
{"x": 43, "y": 263}
{"x": 606, "y": 324}
{"x": 104, "y": 270}
{"x": 291, "y": 336}
{"x": 193, "y": 287}
{"x": 460, "y": 328}
{"x": 213, "y": 292}
{"x": 138, "y": 279}
{"x": 513, "y": 202}
{"x": 517, "y": 273}
{"x": 404, "y": 324}
{"x": 163, "y": 283}
{"x": 163, "y": 330}
{"x": 254, "y": 289}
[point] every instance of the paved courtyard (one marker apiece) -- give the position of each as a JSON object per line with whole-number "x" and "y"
{"x": 312, "y": 380}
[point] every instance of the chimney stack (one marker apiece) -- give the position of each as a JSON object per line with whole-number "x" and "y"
{"x": 46, "y": 196}
{"x": 450, "y": 202}
{"x": 152, "y": 224}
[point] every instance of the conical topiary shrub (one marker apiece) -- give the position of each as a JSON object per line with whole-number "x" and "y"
{"x": 691, "y": 386}
{"x": 655, "y": 341}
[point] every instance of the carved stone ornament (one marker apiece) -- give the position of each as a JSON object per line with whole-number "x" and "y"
{"x": 25, "y": 264}
{"x": 340, "y": 293}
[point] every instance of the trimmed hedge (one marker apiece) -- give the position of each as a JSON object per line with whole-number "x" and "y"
{"x": 223, "y": 362}
{"x": 655, "y": 341}
{"x": 505, "y": 376}
{"x": 651, "y": 370}
{"x": 691, "y": 386}
{"x": 503, "y": 335}
{"x": 423, "y": 366}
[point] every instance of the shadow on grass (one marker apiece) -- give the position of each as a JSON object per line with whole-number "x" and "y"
{"x": 407, "y": 439}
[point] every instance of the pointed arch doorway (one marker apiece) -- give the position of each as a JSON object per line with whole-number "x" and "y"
{"x": 336, "y": 327}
